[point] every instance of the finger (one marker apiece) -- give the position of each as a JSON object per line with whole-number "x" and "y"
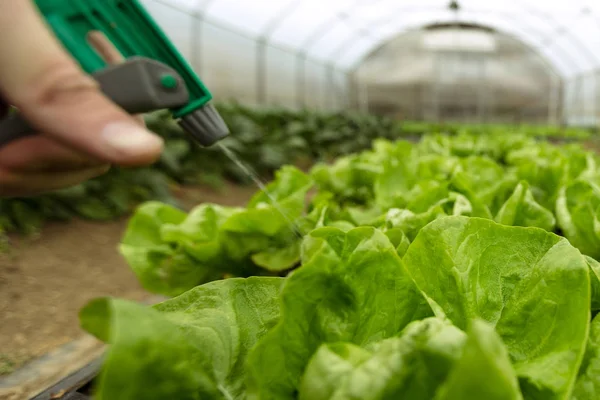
{"x": 39, "y": 77}
{"x": 109, "y": 53}
{"x": 40, "y": 153}
{"x": 19, "y": 185}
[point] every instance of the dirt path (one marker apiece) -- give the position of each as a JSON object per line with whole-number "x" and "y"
{"x": 44, "y": 282}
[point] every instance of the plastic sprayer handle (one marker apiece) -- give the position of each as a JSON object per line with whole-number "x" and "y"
{"x": 139, "y": 85}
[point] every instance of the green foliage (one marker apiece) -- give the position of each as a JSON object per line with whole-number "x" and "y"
{"x": 265, "y": 140}
{"x": 171, "y": 251}
{"x": 104, "y": 198}
{"x": 475, "y": 309}
{"x": 483, "y": 370}
{"x": 454, "y": 268}
{"x": 398, "y": 187}
{"x": 191, "y": 347}
{"x": 536, "y": 131}
{"x": 510, "y": 179}
{"x": 588, "y": 379}
{"x": 521, "y": 209}
{"x": 330, "y": 299}
{"x": 476, "y": 269}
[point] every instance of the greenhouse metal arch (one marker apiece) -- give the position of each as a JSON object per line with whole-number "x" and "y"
{"x": 305, "y": 53}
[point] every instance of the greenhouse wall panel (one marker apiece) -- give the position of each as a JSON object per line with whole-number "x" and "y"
{"x": 228, "y": 64}
{"x": 314, "y": 95}
{"x": 581, "y": 99}
{"x": 597, "y": 97}
{"x": 300, "y": 53}
{"x": 176, "y": 23}
{"x": 281, "y": 77}
{"x": 228, "y": 60}
{"x": 341, "y": 91}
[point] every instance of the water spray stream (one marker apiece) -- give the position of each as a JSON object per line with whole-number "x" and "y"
{"x": 261, "y": 185}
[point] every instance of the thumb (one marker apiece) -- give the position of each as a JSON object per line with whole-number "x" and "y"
{"x": 40, "y": 78}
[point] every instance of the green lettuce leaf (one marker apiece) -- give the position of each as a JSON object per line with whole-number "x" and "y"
{"x": 171, "y": 251}
{"x": 190, "y": 347}
{"x": 144, "y": 229}
{"x": 544, "y": 167}
{"x": 411, "y": 223}
{"x": 331, "y": 365}
{"x": 481, "y": 178}
{"x": 531, "y": 285}
{"x": 350, "y": 179}
{"x": 425, "y": 195}
{"x": 365, "y": 216}
{"x": 279, "y": 258}
{"x": 587, "y": 386}
{"x": 409, "y": 367}
{"x": 351, "y": 288}
{"x": 577, "y": 212}
{"x": 521, "y": 209}
{"x": 477, "y": 207}
{"x": 274, "y": 209}
{"x": 199, "y": 234}
{"x": 266, "y": 230}
{"x": 436, "y": 167}
{"x": 594, "y": 283}
{"x": 399, "y": 175}
{"x": 484, "y": 370}
{"x": 160, "y": 266}
{"x": 398, "y": 239}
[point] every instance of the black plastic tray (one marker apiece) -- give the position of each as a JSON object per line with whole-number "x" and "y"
{"x": 76, "y": 386}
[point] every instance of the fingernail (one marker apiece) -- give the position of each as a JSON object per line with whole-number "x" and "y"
{"x": 131, "y": 139}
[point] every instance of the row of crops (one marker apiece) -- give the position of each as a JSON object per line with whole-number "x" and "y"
{"x": 264, "y": 139}
{"x": 457, "y": 267}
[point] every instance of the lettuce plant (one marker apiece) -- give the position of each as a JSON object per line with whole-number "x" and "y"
{"x": 459, "y": 267}
{"x": 473, "y": 310}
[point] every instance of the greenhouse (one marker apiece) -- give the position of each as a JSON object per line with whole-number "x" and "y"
{"x": 486, "y": 61}
{"x": 354, "y": 199}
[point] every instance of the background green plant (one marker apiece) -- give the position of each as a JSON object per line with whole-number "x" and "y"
{"x": 265, "y": 139}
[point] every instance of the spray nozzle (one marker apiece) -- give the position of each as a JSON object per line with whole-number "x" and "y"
{"x": 205, "y": 125}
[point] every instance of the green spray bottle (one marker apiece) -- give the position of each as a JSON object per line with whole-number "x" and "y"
{"x": 154, "y": 76}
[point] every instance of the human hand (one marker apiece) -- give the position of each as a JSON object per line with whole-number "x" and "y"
{"x": 81, "y": 131}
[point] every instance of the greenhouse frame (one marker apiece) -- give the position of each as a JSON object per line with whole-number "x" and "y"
{"x": 312, "y": 53}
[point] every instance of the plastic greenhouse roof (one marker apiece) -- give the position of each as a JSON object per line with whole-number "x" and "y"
{"x": 344, "y": 32}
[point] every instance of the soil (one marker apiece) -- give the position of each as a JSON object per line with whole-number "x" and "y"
{"x": 44, "y": 281}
